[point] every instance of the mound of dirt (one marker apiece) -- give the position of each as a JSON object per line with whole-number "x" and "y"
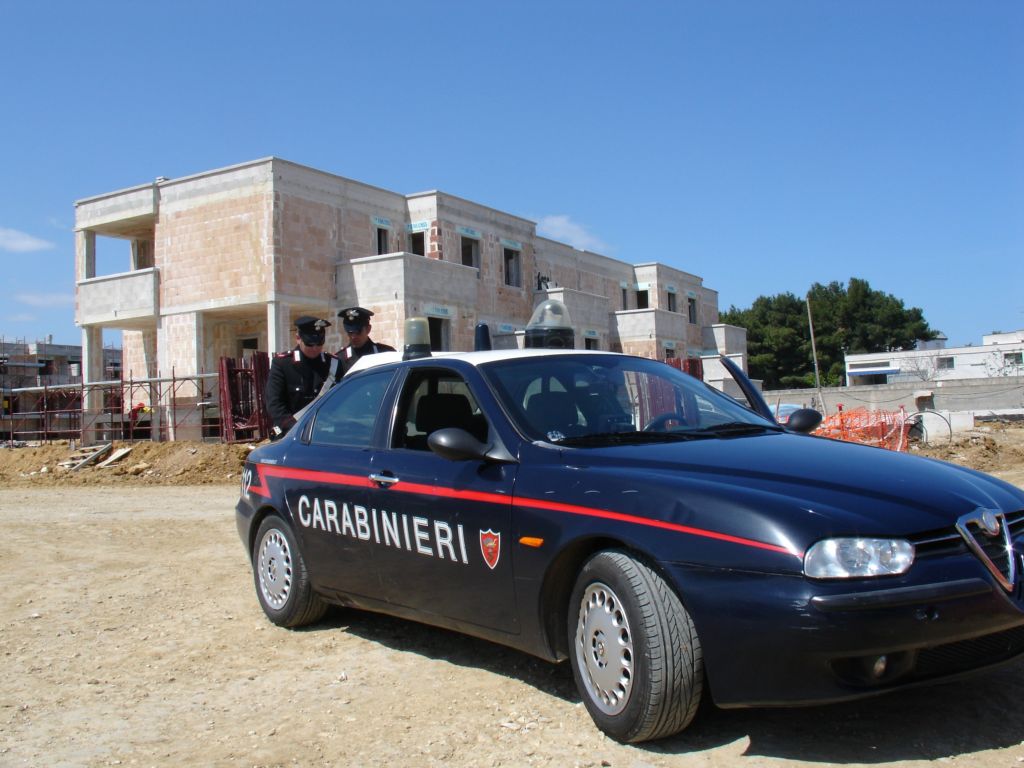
{"x": 170, "y": 463}
{"x": 997, "y": 449}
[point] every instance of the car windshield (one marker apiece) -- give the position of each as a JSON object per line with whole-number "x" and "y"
{"x": 593, "y": 400}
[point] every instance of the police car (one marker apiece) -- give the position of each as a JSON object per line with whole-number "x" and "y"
{"x": 611, "y": 510}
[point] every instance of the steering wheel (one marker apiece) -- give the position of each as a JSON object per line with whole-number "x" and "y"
{"x": 658, "y": 422}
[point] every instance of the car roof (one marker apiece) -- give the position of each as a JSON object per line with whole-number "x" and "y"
{"x": 473, "y": 358}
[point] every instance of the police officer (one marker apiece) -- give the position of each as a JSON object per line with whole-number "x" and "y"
{"x": 356, "y": 322}
{"x": 297, "y": 376}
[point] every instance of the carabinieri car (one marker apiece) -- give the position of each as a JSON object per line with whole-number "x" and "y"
{"x": 617, "y": 512}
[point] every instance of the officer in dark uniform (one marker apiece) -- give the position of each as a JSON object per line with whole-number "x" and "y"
{"x": 297, "y": 376}
{"x": 356, "y": 321}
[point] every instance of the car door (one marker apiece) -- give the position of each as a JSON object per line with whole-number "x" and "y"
{"x": 327, "y": 486}
{"x": 444, "y": 536}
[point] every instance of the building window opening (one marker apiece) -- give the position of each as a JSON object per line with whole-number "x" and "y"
{"x": 470, "y": 252}
{"x": 111, "y": 257}
{"x": 691, "y": 310}
{"x": 382, "y": 241}
{"x": 417, "y": 243}
{"x": 625, "y": 299}
{"x": 945, "y": 364}
{"x": 1013, "y": 358}
{"x": 439, "y": 334}
{"x": 142, "y": 254}
{"x": 512, "y": 268}
{"x": 670, "y": 354}
{"x": 589, "y": 343}
{"x": 671, "y": 303}
{"x": 641, "y": 299}
{"x": 247, "y": 346}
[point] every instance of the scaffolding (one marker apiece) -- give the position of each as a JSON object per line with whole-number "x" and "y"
{"x": 225, "y": 406}
{"x": 162, "y": 408}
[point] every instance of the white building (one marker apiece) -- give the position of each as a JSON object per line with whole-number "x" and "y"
{"x": 1000, "y": 354}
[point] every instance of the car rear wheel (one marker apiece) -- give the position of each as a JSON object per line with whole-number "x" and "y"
{"x": 282, "y": 582}
{"x": 636, "y": 657}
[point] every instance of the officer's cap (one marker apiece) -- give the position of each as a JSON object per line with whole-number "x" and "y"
{"x": 355, "y": 318}
{"x": 312, "y": 330}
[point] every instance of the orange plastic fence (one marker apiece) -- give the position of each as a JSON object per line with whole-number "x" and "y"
{"x": 886, "y": 429}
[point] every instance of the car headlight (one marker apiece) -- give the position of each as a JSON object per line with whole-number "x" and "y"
{"x": 858, "y": 558}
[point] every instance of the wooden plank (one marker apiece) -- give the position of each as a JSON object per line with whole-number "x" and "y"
{"x": 87, "y": 455}
{"x": 117, "y": 455}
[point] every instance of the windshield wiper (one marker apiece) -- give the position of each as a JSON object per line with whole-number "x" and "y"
{"x": 731, "y": 428}
{"x": 630, "y": 438}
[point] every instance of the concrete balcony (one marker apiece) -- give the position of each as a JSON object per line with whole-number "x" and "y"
{"x": 129, "y": 300}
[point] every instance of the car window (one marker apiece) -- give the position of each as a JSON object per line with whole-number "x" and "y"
{"x": 435, "y": 399}
{"x": 348, "y": 416}
{"x": 560, "y": 398}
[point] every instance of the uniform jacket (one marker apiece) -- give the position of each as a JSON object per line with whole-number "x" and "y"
{"x": 348, "y": 355}
{"x": 293, "y": 383}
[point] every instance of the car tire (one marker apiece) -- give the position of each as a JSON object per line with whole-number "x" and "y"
{"x": 635, "y": 654}
{"x": 282, "y": 582}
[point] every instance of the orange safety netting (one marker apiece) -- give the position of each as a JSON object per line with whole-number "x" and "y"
{"x": 885, "y": 429}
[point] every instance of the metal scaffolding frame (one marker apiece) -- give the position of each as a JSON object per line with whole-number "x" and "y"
{"x": 159, "y": 408}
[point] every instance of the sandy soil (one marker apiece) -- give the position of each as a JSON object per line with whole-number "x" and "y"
{"x": 131, "y": 635}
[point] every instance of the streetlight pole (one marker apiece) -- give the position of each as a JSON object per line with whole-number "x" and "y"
{"x": 814, "y": 355}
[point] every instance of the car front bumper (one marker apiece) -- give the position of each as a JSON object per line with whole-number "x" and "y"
{"x": 785, "y": 640}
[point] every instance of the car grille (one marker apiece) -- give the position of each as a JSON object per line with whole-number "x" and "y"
{"x": 968, "y": 654}
{"x": 993, "y": 549}
{"x": 947, "y": 543}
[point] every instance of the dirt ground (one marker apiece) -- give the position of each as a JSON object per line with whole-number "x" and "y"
{"x": 131, "y": 635}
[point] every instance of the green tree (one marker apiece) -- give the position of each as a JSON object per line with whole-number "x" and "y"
{"x": 850, "y": 318}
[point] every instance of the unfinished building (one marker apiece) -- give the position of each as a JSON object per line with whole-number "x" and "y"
{"x": 222, "y": 262}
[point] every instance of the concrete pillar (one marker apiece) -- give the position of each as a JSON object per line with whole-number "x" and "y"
{"x": 85, "y": 254}
{"x": 92, "y": 370}
{"x": 149, "y": 353}
{"x": 279, "y": 327}
{"x": 177, "y": 398}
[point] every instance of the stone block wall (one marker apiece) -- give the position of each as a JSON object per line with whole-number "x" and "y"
{"x": 584, "y": 271}
{"x": 138, "y": 357}
{"x": 212, "y": 241}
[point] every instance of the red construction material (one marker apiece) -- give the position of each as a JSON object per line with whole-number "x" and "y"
{"x": 242, "y": 383}
{"x": 886, "y": 429}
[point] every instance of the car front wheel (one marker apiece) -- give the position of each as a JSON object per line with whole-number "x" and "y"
{"x": 282, "y": 582}
{"x": 635, "y": 656}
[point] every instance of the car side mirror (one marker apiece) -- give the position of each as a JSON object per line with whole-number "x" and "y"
{"x": 804, "y": 420}
{"x": 456, "y": 444}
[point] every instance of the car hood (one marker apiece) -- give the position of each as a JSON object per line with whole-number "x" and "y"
{"x": 796, "y": 487}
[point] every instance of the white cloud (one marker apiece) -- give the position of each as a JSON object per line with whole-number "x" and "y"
{"x": 24, "y": 317}
{"x": 561, "y": 227}
{"x": 20, "y": 242}
{"x": 45, "y": 299}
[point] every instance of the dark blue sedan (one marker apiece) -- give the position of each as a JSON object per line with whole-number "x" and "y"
{"x": 614, "y": 511}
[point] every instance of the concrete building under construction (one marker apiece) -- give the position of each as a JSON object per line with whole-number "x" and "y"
{"x": 222, "y": 262}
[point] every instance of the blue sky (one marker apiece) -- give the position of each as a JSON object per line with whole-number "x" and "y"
{"x": 761, "y": 145}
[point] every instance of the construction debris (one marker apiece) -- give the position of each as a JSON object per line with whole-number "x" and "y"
{"x": 117, "y": 455}
{"x": 87, "y": 454}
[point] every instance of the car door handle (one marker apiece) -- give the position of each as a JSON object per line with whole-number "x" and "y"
{"x": 383, "y": 479}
